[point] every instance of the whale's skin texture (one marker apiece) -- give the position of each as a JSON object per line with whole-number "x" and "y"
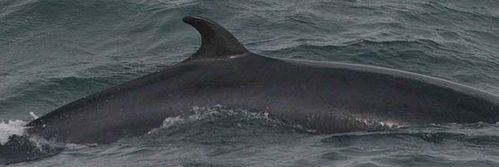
{"x": 325, "y": 97}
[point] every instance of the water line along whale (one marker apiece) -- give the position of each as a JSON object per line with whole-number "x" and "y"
{"x": 324, "y": 96}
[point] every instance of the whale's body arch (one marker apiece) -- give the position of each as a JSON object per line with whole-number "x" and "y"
{"x": 327, "y": 97}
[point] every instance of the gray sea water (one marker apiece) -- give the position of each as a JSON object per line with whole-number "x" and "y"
{"x": 55, "y": 51}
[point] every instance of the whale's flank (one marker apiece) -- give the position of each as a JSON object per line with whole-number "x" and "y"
{"x": 329, "y": 97}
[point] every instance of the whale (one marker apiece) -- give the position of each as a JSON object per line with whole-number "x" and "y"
{"x": 325, "y": 97}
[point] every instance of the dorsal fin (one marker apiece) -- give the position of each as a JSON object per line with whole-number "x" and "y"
{"x": 216, "y": 41}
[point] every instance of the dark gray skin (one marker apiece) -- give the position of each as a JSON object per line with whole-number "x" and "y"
{"x": 327, "y": 97}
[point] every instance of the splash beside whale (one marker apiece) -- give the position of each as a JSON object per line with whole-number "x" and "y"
{"x": 324, "y": 96}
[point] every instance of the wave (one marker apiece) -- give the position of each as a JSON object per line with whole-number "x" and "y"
{"x": 208, "y": 125}
{"x": 212, "y": 125}
{"x": 9, "y": 128}
{"x": 15, "y": 146}
{"x": 475, "y": 134}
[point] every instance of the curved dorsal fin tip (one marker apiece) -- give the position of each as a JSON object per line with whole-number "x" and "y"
{"x": 216, "y": 41}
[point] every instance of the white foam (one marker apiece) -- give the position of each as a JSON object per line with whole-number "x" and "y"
{"x": 9, "y": 128}
{"x": 213, "y": 112}
{"x": 170, "y": 121}
{"x": 216, "y": 112}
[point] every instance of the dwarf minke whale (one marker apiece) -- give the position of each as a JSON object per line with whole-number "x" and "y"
{"x": 327, "y": 97}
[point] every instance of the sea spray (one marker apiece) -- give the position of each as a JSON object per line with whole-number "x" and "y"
{"x": 16, "y": 146}
{"x": 9, "y": 128}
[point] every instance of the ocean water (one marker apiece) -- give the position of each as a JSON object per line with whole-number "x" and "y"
{"x": 55, "y": 51}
